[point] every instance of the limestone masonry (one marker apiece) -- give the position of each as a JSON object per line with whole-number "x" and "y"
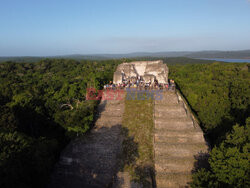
{"x": 178, "y": 142}
{"x": 147, "y": 70}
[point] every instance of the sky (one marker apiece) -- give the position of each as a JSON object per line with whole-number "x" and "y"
{"x": 61, "y": 27}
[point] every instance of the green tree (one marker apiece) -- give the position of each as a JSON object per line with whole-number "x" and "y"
{"x": 229, "y": 161}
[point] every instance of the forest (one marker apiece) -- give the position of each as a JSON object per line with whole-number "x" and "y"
{"x": 219, "y": 95}
{"x": 43, "y": 107}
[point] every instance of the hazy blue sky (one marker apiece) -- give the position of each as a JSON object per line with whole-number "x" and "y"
{"x": 56, "y": 27}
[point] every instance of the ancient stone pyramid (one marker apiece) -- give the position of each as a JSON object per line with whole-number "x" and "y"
{"x": 91, "y": 161}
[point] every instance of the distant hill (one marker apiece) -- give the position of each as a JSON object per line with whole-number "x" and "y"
{"x": 21, "y": 59}
{"x": 243, "y": 54}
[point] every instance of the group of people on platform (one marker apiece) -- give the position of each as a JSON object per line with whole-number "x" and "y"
{"x": 141, "y": 84}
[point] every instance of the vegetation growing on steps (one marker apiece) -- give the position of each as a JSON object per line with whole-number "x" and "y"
{"x": 137, "y": 154}
{"x": 219, "y": 94}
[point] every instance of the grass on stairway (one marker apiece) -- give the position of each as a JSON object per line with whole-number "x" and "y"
{"x": 137, "y": 155}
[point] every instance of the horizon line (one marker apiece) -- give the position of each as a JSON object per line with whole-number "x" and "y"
{"x": 98, "y": 54}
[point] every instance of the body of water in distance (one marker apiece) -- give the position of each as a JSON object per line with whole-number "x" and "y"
{"x": 228, "y": 60}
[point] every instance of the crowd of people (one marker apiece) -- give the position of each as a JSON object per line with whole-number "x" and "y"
{"x": 139, "y": 83}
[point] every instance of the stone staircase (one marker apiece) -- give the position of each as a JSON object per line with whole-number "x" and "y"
{"x": 176, "y": 141}
{"x": 91, "y": 161}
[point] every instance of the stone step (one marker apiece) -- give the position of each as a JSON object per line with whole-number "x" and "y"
{"x": 170, "y": 111}
{"x": 108, "y": 124}
{"x": 169, "y": 93}
{"x": 109, "y": 107}
{"x": 101, "y": 138}
{"x": 98, "y": 131}
{"x": 108, "y": 121}
{"x": 173, "y": 180}
{"x": 112, "y": 101}
{"x": 107, "y": 118}
{"x": 99, "y": 147}
{"x": 169, "y": 101}
{"x": 176, "y": 132}
{"x": 111, "y": 113}
{"x": 178, "y": 126}
{"x": 174, "y": 165}
{"x": 176, "y": 150}
{"x": 174, "y": 119}
{"x": 185, "y": 136}
{"x": 165, "y": 106}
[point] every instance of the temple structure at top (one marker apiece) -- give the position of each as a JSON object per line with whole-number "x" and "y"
{"x": 148, "y": 71}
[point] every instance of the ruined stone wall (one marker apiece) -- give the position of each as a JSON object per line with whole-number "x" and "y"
{"x": 148, "y": 70}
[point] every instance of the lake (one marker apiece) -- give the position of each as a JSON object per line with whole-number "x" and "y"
{"x": 228, "y": 60}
